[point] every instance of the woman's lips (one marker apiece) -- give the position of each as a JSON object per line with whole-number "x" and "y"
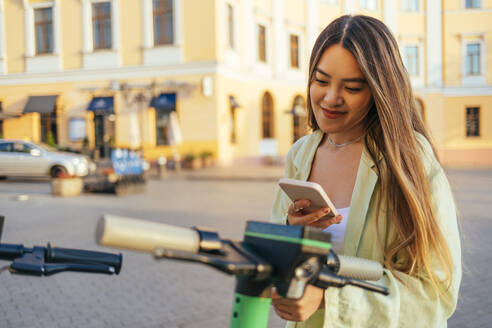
{"x": 331, "y": 114}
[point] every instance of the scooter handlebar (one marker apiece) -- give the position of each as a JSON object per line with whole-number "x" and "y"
{"x": 359, "y": 268}
{"x": 145, "y": 236}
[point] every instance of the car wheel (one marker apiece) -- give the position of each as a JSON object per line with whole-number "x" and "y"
{"x": 56, "y": 171}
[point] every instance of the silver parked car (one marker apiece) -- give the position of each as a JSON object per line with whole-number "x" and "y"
{"x": 22, "y": 158}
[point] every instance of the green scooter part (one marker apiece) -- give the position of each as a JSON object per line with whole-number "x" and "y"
{"x": 250, "y": 311}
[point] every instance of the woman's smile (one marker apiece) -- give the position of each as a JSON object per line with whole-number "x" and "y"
{"x": 332, "y": 114}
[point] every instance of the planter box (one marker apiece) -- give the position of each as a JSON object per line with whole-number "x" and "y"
{"x": 66, "y": 187}
{"x": 193, "y": 164}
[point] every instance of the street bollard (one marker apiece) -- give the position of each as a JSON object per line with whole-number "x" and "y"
{"x": 177, "y": 163}
{"x": 161, "y": 166}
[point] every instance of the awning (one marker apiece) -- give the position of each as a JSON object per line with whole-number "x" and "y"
{"x": 165, "y": 101}
{"x": 40, "y": 104}
{"x": 102, "y": 105}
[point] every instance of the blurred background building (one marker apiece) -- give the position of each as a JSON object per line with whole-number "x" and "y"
{"x": 97, "y": 74}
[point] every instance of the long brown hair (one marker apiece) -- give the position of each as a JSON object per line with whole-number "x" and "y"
{"x": 391, "y": 125}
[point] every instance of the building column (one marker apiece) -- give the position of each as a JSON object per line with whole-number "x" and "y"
{"x": 349, "y": 7}
{"x": 57, "y": 28}
{"x": 178, "y": 23}
{"x": 115, "y": 26}
{"x": 312, "y": 24}
{"x": 249, "y": 32}
{"x": 147, "y": 20}
{"x": 28, "y": 29}
{"x": 279, "y": 57}
{"x": 88, "y": 45}
{"x": 434, "y": 43}
{"x": 390, "y": 16}
{"x": 3, "y": 50}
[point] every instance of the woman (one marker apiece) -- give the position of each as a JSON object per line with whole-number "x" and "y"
{"x": 372, "y": 154}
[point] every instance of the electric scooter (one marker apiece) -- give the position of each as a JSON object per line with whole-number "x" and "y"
{"x": 286, "y": 257}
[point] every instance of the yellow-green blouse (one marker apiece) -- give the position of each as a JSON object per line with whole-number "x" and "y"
{"x": 415, "y": 304}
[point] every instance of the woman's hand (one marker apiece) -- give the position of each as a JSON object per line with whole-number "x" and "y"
{"x": 300, "y": 309}
{"x": 318, "y": 219}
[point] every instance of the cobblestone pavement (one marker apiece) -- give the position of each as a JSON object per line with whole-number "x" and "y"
{"x": 170, "y": 294}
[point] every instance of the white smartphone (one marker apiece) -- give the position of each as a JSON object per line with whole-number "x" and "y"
{"x": 298, "y": 189}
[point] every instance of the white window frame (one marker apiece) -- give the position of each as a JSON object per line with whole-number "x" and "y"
{"x": 42, "y": 63}
{"x": 235, "y": 29}
{"x": 167, "y": 54}
{"x": 257, "y": 43}
{"x": 3, "y": 50}
{"x": 367, "y": 8}
{"x": 406, "y": 8}
{"x": 417, "y": 80}
{"x": 291, "y": 72}
{"x": 100, "y": 58}
{"x": 471, "y": 80}
{"x": 478, "y": 8}
{"x": 263, "y": 69}
{"x": 232, "y": 58}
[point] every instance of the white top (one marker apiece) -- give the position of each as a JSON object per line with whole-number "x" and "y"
{"x": 338, "y": 231}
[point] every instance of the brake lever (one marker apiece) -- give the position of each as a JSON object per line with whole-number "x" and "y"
{"x": 327, "y": 278}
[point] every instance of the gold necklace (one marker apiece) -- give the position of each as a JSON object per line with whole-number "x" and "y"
{"x": 345, "y": 143}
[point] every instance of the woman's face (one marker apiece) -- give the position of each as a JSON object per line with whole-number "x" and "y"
{"x": 340, "y": 95}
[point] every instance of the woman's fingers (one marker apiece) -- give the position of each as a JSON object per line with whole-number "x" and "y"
{"x": 300, "y": 218}
{"x": 326, "y": 222}
{"x": 298, "y": 206}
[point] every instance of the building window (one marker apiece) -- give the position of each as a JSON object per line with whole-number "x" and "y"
{"x": 410, "y": 5}
{"x": 472, "y": 121}
{"x": 473, "y": 59}
{"x": 101, "y": 25}
{"x": 368, "y": 4}
{"x": 261, "y": 43}
{"x": 230, "y": 26}
{"x": 411, "y": 59}
{"x": 163, "y": 22}
{"x": 471, "y": 4}
{"x": 43, "y": 24}
{"x": 294, "y": 51}
{"x": 267, "y": 116}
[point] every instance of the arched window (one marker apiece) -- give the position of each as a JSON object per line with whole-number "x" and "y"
{"x": 299, "y": 117}
{"x": 267, "y": 116}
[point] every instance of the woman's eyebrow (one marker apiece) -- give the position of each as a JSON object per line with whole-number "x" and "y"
{"x": 353, "y": 79}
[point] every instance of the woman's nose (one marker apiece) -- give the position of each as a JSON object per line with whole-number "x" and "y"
{"x": 333, "y": 98}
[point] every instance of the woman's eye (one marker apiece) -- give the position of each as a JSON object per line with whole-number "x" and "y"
{"x": 353, "y": 89}
{"x": 321, "y": 81}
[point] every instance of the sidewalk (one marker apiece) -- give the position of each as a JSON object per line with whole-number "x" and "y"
{"x": 232, "y": 173}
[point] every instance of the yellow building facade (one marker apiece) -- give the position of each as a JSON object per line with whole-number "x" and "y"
{"x": 109, "y": 73}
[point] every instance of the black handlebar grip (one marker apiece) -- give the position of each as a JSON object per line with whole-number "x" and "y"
{"x": 66, "y": 255}
{"x": 11, "y": 251}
